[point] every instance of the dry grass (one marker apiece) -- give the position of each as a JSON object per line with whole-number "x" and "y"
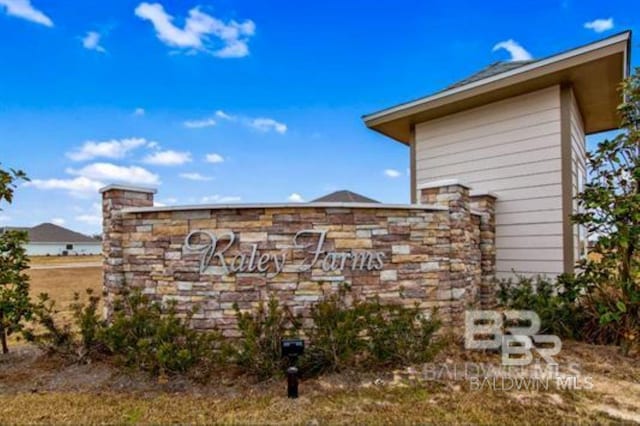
{"x": 35, "y": 389}
{"x": 317, "y": 405}
{"x": 56, "y": 260}
{"x": 62, "y": 284}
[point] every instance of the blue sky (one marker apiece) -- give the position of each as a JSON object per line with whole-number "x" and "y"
{"x": 242, "y": 101}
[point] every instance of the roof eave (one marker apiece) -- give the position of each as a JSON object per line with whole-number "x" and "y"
{"x": 381, "y": 121}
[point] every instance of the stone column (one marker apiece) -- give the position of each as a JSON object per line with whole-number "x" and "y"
{"x": 114, "y": 199}
{"x": 486, "y": 203}
{"x": 459, "y": 291}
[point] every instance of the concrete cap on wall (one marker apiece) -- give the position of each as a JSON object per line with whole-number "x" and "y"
{"x": 130, "y": 188}
{"x": 481, "y": 193}
{"x": 442, "y": 183}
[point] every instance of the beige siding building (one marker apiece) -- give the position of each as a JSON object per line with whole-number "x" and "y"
{"x": 517, "y": 130}
{"x": 511, "y": 148}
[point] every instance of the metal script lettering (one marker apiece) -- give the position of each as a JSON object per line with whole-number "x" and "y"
{"x": 213, "y": 253}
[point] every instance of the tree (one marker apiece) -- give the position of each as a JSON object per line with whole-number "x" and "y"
{"x": 610, "y": 211}
{"x": 15, "y": 305}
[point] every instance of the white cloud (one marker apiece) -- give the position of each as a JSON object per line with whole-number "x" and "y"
{"x": 115, "y": 148}
{"x": 4, "y": 218}
{"x": 79, "y": 186}
{"x": 113, "y": 173}
{"x": 168, "y": 158}
{"x": 296, "y": 198}
{"x": 220, "y": 199}
{"x": 599, "y": 25}
{"x": 195, "y": 176}
{"x": 262, "y": 124}
{"x": 201, "y": 32}
{"x": 139, "y": 112}
{"x": 209, "y": 121}
{"x": 93, "y": 216}
{"x": 517, "y": 52}
{"x": 25, "y": 10}
{"x": 267, "y": 124}
{"x": 224, "y": 115}
{"x": 199, "y": 124}
{"x": 58, "y": 221}
{"x": 214, "y": 158}
{"x": 91, "y": 219}
{"x": 91, "y": 41}
{"x": 392, "y": 173}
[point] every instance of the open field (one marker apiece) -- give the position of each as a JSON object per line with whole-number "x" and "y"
{"x": 57, "y": 260}
{"x": 39, "y": 389}
{"x": 64, "y": 262}
{"x": 61, "y": 284}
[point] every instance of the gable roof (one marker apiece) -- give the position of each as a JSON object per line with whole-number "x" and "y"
{"x": 490, "y": 70}
{"x": 50, "y": 233}
{"x": 344, "y": 196}
{"x": 594, "y": 71}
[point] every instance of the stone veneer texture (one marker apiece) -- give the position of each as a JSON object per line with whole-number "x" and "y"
{"x": 433, "y": 257}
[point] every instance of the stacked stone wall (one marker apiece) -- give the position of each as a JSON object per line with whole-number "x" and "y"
{"x": 429, "y": 256}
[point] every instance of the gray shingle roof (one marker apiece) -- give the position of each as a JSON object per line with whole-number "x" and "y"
{"x": 344, "y": 196}
{"x": 491, "y": 70}
{"x": 50, "y": 233}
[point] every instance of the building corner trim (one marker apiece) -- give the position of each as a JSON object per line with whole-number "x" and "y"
{"x": 412, "y": 166}
{"x": 567, "y": 186}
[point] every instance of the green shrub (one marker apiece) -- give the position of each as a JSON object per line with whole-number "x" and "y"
{"x": 142, "y": 334}
{"x": 609, "y": 210}
{"x": 55, "y": 338}
{"x": 149, "y": 336}
{"x": 367, "y": 335}
{"x": 257, "y": 352}
{"x": 90, "y": 325}
{"x": 152, "y": 337}
{"x": 578, "y": 307}
{"x": 15, "y": 306}
{"x": 400, "y": 336}
{"x": 336, "y": 339}
{"x": 608, "y": 315}
{"x": 555, "y": 302}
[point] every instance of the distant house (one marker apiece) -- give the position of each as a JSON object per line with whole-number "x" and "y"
{"x": 48, "y": 239}
{"x": 344, "y": 197}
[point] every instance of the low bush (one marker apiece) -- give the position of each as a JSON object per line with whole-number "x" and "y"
{"x": 555, "y": 302}
{"x": 577, "y": 307}
{"x": 609, "y": 320}
{"x": 610, "y": 308}
{"x": 52, "y": 337}
{"x": 336, "y": 339}
{"x": 257, "y": 352}
{"x": 150, "y": 336}
{"x": 365, "y": 335}
{"x": 401, "y": 336}
{"x": 142, "y": 334}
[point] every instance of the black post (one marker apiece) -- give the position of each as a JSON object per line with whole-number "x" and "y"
{"x": 292, "y": 382}
{"x": 292, "y": 349}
